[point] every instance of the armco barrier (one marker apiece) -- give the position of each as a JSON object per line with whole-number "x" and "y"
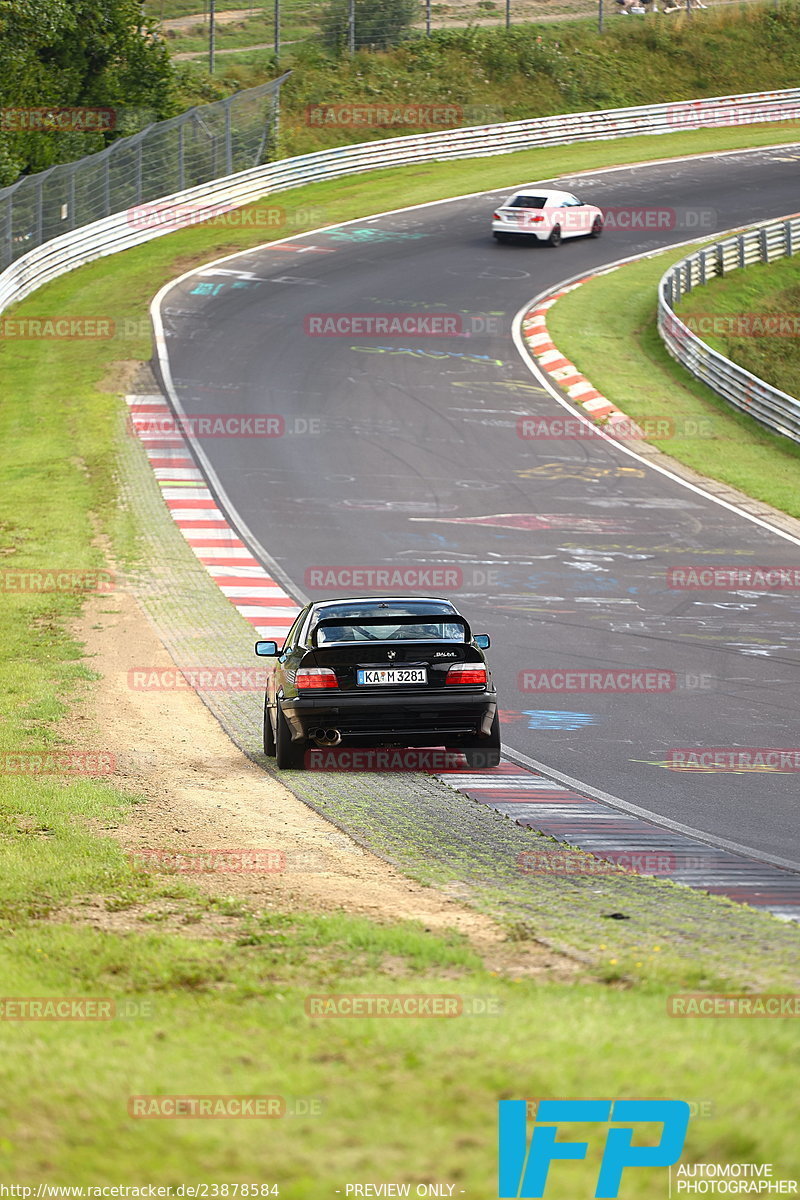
{"x": 119, "y": 232}
{"x": 765, "y": 243}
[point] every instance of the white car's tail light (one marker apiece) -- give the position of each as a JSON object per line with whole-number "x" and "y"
{"x": 315, "y": 677}
{"x": 472, "y": 673}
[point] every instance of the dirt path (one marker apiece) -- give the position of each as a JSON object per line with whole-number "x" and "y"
{"x": 201, "y": 793}
{"x": 224, "y": 17}
{"x": 187, "y": 54}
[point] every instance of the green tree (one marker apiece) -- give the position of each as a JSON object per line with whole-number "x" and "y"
{"x": 74, "y": 53}
{"x": 379, "y": 24}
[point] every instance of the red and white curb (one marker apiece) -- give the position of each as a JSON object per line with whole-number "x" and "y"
{"x": 239, "y": 576}
{"x": 563, "y": 372}
{"x": 528, "y": 798}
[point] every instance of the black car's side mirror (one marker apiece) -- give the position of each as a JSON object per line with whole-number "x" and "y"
{"x": 266, "y": 649}
{"x": 483, "y": 641}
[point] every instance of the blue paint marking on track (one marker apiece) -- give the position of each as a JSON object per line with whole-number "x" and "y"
{"x": 546, "y": 718}
{"x": 373, "y": 235}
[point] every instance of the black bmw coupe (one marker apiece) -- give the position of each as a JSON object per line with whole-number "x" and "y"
{"x": 380, "y": 671}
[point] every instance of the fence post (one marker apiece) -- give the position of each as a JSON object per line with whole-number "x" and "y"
{"x": 787, "y": 225}
{"x": 181, "y": 183}
{"x": 742, "y": 251}
{"x": 228, "y": 139}
{"x": 71, "y": 198}
{"x": 275, "y": 122}
{"x": 8, "y": 236}
{"x": 764, "y": 245}
{"x": 139, "y": 155}
{"x": 39, "y": 213}
{"x": 107, "y": 187}
{"x": 702, "y": 268}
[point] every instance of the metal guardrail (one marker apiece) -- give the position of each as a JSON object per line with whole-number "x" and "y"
{"x": 120, "y": 231}
{"x": 777, "y": 410}
{"x": 203, "y": 143}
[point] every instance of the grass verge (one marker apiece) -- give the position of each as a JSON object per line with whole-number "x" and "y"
{"x": 529, "y": 70}
{"x": 407, "y": 1100}
{"x": 762, "y": 291}
{"x": 625, "y": 359}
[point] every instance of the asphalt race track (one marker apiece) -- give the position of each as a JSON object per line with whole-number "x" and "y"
{"x": 403, "y": 451}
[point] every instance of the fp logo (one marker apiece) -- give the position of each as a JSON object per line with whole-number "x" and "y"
{"x": 523, "y": 1169}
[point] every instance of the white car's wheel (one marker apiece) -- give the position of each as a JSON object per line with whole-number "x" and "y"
{"x": 555, "y": 236}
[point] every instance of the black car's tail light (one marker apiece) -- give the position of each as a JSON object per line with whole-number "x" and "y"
{"x": 472, "y": 673}
{"x": 308, "y": 678}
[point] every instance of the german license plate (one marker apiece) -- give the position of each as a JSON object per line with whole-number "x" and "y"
{"x": 372, "y": 676}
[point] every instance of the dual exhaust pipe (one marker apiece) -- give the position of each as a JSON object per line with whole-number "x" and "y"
{"x": 325, "y": 737}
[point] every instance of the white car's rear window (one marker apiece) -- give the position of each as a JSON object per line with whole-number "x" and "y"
{"x": 527, "y": 202}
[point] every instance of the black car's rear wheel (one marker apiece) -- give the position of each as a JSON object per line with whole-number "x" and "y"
{"x": 289, "y": 754}
{"x": 481, "y": 753}
{"x": 269, "y": 736}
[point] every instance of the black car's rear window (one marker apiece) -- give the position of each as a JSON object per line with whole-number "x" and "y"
{"x": 356, "y": 630}
{"x": 371, "y": 622}
{"x": 528, "y": 202}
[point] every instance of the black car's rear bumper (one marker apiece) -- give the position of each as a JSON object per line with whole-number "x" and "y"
{"x": 408, "y": 719}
